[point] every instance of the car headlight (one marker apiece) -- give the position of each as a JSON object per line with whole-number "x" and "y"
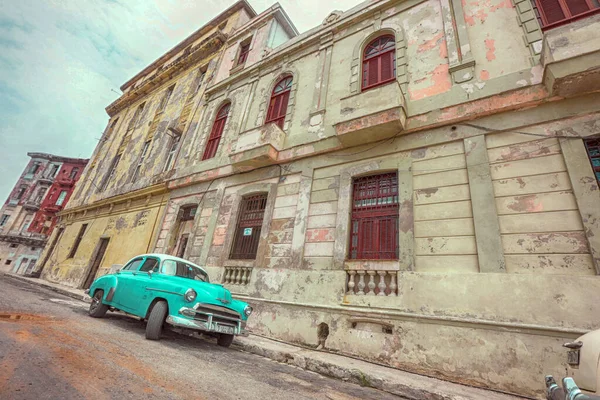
{"x": 190, "y": 295}
{"x": 248, "y": 311}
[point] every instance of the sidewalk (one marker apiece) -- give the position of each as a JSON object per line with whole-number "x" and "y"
{"x": 391, "y": 380}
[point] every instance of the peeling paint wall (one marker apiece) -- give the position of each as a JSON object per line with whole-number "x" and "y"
{"x": 128, "y": 227}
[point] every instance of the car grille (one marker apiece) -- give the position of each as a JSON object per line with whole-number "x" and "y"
{"x": 221, "y": 315}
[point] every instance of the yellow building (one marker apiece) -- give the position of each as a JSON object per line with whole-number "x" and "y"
{"x": 121, "y": 197}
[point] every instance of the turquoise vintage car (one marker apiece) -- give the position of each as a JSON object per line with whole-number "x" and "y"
{"x": 163, "y": 289}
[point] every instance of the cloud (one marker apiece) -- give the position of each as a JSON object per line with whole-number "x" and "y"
{"x": 59, "y": 60}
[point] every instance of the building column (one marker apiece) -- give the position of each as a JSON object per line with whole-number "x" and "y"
{"x": 586, "y": 191}
{"x": 490, "y": 253}
{"x": 406, "y": 220}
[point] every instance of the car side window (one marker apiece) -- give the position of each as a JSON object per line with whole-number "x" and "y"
{"x": 169, "y": 267}
{"x": 182, "y": 270}
{"x": 197, "y": 274}
{"x": 133, "y": 265}
{"x": 151, "y": 264}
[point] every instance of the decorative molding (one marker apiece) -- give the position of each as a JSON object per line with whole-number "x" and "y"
{"x": 532, "y": 32}
{"x": 462, "y": 63}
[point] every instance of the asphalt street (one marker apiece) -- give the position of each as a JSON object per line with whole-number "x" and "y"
{"x": 51, "y": 349}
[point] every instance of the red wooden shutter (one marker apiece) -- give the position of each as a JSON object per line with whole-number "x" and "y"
{"x": 379, "y": 62}
{"x": 557, "y": 12}
{"x": 279, "y": 102}
{"x": 552, "y": 10}
{"x": 215, "y": 134}
{"x": 577, "y": 7}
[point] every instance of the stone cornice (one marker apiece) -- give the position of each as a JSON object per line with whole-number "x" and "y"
{"x": 193, "y": 55}
{"x": 135, "y": 195}
{"x": 309, "y": 38}
{"x": 240, "y": 5}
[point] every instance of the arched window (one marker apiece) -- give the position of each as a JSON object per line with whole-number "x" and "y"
{"x": 216, "y": 132}
{"x": 379, "y": 62}
{"x": 279, "y": 102}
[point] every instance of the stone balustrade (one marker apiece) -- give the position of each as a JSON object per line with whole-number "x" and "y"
{"x": 371, "y": 283}
{"x": 237, "y": 275}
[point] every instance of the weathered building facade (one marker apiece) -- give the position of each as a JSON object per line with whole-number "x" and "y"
{"x": 121, "y": 199}
{"x": 419, "y": 176}
{"x": 415, "y": 176}
{"x": 29, "y": 213}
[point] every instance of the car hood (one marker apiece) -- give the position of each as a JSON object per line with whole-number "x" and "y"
{"x": 211, "y": 293}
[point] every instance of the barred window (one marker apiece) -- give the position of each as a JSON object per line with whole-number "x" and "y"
{"x": 374, "y": 222}
{"x": 247, "y": 231}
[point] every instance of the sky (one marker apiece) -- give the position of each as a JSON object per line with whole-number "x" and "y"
{"x": 63, "y": 61}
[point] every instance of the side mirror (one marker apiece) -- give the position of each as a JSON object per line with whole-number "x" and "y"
{"x": 150, "y": 273}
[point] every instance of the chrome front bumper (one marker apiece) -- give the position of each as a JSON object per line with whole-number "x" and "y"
{"x": 206, "y": 323}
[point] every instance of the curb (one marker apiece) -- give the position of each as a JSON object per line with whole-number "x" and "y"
{"x": 400, "y": 383}
{"x": 59, "y": 290}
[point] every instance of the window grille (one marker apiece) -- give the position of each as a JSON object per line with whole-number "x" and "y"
{"x": 279, "y": 102}
{"x": 552, "y": 13}
{"x": 247, "y": 232}
{"x": 593, "y": 149}
{"x": 374, "y": 223}
{"x": 379, "y": 62}
{"x": 216, "y": 132}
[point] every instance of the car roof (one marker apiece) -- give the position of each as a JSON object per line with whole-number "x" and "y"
{"x": 170, "y": 257}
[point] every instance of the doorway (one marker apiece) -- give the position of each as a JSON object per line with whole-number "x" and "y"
{"x": 183, "y": 242}
{"x": 97, "y": 260}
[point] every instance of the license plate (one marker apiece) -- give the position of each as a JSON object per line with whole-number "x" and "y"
{"x": 225, "y": 329}
{"x": 573, "y": 357}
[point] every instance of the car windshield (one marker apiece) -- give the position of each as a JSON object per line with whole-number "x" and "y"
{"x": 183, "y": 270}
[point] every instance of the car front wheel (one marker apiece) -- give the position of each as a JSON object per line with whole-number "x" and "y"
{"x": 97, "y": 309}
{"x": 156, "y": 320}
{"x": 224, "y": 340}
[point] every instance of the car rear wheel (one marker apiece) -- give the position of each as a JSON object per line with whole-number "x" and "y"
{"x": 156, "y": 320}
{"x": 224, "y": 340}
{"x": 97, "y": 309}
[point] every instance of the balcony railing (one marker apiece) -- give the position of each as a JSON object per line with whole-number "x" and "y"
{"x": 258, "y": 147}
{"x": 31, "y": 205}
{"x": 371, "y": 283}
{"x": 52, "y": 208}
{"x": 65, "y": 181}
{"x": 237, "y": 275}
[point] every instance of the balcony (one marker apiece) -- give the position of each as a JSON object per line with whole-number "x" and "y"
{"x": 257, "y": 148}
{"x": 65, "y": 181}
{"x": 372, "y": 115}
{"x": 45, "y": 179}
{"x": 52, "y": 208}
{"x": 571, "y": 57}
{"x": 31, "y": 205}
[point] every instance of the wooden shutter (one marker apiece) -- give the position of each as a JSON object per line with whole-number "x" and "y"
{"x": 279, "y": 102}
{"x": 216, "y": 133}
{"x": 379, "y": 62}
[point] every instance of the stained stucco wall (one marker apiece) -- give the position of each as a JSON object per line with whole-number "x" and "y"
{"x": 130, "y": 230}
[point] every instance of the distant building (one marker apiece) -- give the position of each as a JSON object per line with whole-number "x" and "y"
{"x": 29, "y": 214}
